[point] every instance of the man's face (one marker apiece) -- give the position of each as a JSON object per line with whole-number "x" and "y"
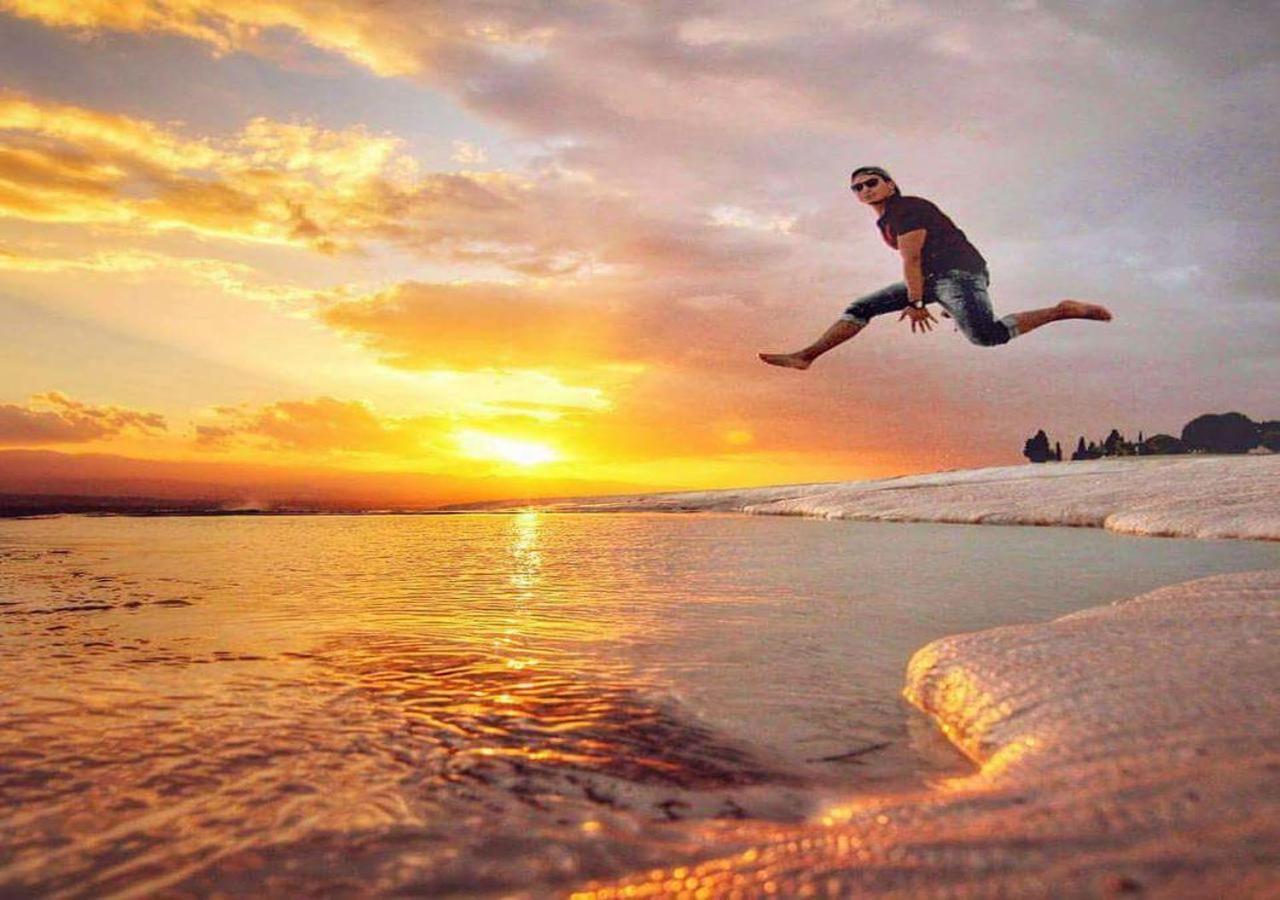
{"x": 871, "y": 188}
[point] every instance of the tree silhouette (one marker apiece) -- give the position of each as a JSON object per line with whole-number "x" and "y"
{"x": 1111, "y": 446}
{"x": 1231, "y": 432}
{"x": 1269, "y": 434}
{"x": 1036, "y": 448}
{"x": 1164, "y": 444}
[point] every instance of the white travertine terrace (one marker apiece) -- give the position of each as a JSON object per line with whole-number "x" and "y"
{"x": 1174, "y": 496}
{"x": 1128, "y": 749}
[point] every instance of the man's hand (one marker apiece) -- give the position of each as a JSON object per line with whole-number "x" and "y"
{"x": 919, "y": 317}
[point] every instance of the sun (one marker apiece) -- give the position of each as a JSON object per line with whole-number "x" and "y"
{"x": 479, "y": 445}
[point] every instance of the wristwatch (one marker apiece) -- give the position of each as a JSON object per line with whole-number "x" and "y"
{"x": 918, "y": 304}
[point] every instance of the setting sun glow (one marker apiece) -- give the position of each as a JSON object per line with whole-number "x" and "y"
{"x": 479, "y": 445}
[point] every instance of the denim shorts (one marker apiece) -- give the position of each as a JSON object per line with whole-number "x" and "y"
{"x": 963, "y": 294}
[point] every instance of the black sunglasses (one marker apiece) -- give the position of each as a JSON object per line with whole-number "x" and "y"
{"x": 860, "y": 186}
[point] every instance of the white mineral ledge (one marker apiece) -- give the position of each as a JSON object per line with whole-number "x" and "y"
{"x": 1172, "y": 496}
{"x": 1131, "y": 749}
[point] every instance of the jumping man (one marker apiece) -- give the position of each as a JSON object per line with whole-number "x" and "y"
{"x": 940, "y": 266}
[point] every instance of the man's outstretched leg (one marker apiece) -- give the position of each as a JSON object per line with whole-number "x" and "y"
{"x": 837, "y": 334}
{"x": 1066, "y": 309}
{"x": 965, "y": 295}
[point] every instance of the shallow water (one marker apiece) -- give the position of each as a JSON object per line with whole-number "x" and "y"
{"x": 482, "y": 703}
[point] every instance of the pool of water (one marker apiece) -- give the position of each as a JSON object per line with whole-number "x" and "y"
{"x": 482, "y": 704}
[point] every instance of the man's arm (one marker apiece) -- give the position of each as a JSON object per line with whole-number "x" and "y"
{"x": 911, "y": 246}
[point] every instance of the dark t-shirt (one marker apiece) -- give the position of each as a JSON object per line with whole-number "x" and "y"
{"x": 945, "y": 246}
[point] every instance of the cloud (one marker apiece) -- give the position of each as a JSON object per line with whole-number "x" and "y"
{"x": 475, "y": 326}
{"x": 283, "y": 183}
{"x": 235, "y": 279}
{"x": 468, "y": 154}
{"x": 606, "y": 330}
{"x": 679, "y": 377}
{"x": 764, "y": 107}
{"x": 273, "y": 182}
{"x": 318, "y": 426}
{"x": 389, "y": 39}
{"x": 606, "y": 291}
{"x": 639, "y": 70}
{"x": 54, "y": 418}
{"x": 323, "y": 426}
{"x": 689, "y": 206}
{"x": 639, "y": 430}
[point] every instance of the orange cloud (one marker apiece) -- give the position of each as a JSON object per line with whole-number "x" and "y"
{"x": 289, "y": 183}
{"x": 677, "y": 376}
{"x": 230, "y": 25}
{"x": 235, "y": 279}
{"x": 475, "y": 326}
{"x": 54, "y": 418}
{"x": 327, "y": 427}
{"x": 611, "y": 326}
{"x": 331, "y": 191}
{"x": 324, "y": 425}
{"x": 318, "y": 426}
{"x": 483, "y": 442}
{"x": 272, "y": 183}
{"x": 400, "y": 40}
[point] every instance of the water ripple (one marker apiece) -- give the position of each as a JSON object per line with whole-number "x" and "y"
{"x": 470, "y": 704}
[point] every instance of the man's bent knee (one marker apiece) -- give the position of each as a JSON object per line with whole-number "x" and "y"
{"x": 991, "y": 336}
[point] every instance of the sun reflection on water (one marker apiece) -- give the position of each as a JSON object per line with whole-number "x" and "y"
{"x": 524, "y": 550}
{"x": 296, "y": 680}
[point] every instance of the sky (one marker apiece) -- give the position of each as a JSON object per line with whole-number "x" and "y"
{"x": 413, "y": 252}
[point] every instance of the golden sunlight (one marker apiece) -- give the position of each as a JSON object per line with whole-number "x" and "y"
{"x": 479, "y": 445}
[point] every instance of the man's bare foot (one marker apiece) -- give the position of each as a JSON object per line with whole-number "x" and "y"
{"x": 1078, "y": 309}
{"x": 786, "y": 360}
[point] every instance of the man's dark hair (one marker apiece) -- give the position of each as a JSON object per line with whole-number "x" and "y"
{"x": 877, "y": 170}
